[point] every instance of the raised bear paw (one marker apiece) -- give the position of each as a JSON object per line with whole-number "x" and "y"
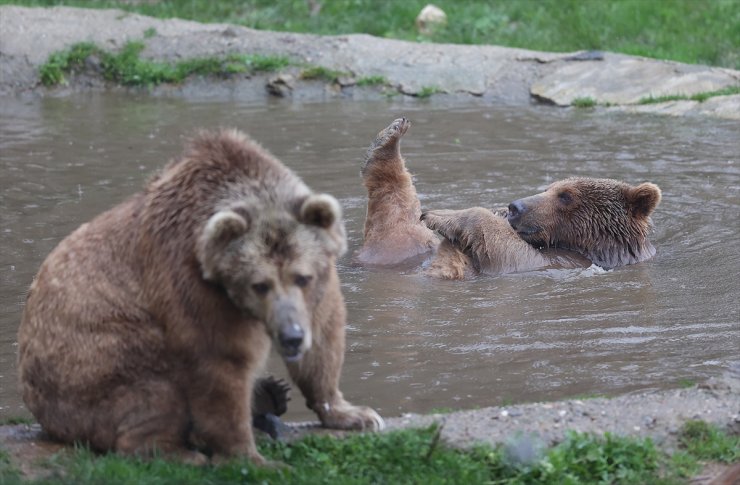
{"x": 386, "y": 144}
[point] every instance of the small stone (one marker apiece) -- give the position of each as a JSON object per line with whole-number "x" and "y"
{"x": 280, "y": 85}
{"x": 504, "y": 413}
{"x": 346, "y": 81}
{"x": 562, "y": 412}
{"x": 515, "y": 412}
{"x": 636, "y": 428}
{"x": 430, "y": 19}
{"x": 649, "y": 421}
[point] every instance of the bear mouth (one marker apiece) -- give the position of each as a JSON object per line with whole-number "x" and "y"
{"x": 525, "y": 231}
{"x": 291, "y": 354}
{"x": 532, "y": 235}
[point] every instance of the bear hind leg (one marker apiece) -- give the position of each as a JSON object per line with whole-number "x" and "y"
{"x": 387, "y": 145}
{"x": 153, "y": 420}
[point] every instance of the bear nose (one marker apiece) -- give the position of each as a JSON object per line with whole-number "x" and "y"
{"x": 291, "y": 337}
{"x": 516, "y": 209}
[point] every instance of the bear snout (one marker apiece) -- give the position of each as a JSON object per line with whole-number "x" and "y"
{"x": 516, "y": 210}
{"x": 290, "y": 337}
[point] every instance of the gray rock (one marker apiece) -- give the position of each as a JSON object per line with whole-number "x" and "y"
{"x": 620, "y": 79}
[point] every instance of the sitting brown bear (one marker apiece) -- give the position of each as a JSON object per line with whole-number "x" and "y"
{"x": 598, "y": 221}
{"x": 146, "y": 328}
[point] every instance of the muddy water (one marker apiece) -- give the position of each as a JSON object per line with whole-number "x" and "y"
{"x": 416, "y": 344}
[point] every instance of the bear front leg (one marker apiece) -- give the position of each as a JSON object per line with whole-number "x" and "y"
{"x": 220, "y": 404}
{"x": 317, "y": 373}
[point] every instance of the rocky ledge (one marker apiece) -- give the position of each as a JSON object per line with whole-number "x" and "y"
{"x": 497, "y": 75}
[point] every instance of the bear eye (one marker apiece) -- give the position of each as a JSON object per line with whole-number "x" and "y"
{"x": 262, "y": 288}
{"x": 565, "y": 198}
{"x": 302, "y": 281}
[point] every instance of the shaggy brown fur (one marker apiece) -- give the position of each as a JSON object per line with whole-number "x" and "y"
{"x": 146, "y": 327}
{"x": 478, "y": 241}
{"x": 603, "y": 220}
{"x": 393, "y": 229}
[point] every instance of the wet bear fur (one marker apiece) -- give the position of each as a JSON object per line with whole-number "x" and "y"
{"x": 146, "y": 328}
{"x": 601, "y": 221}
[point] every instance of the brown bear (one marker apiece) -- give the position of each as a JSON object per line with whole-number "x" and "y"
{"x": 575, "y": 222}
{"x": 146, "y": 328}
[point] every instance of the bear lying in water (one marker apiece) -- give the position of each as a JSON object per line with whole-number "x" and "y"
{"x": 600, "y": 221}
{"x": 146, "y": 328}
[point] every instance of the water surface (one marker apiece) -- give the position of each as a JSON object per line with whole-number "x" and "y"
{"x": 416, "y": 344}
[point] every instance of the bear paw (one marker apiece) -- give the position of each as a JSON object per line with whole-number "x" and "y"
{"x": 386, "y": 143}
{"x": 346, "y": 416}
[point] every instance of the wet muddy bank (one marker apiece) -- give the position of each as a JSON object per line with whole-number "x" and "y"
{"x": 494, "y": 75}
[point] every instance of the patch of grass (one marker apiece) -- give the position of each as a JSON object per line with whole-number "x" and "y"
{"x": 126, "y": 67}
{"x": 707, "y": 442}
{"x": 52, "y": 72}
{"x": 583, "y": 103}
{"x": 150, "y": 32}
{"x": 372, "y": 81}
{"x": 415, "y": 456}
{"x": 666, "y": 29}
{"x": 686, "y": 383}
{"x": 427, "y": 91}
{"x": 409, "y": 456}
{"x": 320, "y": 72}
{"x": 8, "y": 473}
{"x": 13, "y": 420}
{"x": 700, "y": 97}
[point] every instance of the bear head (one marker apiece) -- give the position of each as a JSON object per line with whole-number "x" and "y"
{"x": 273, "y": 262}
{"x": 605, "y": 220}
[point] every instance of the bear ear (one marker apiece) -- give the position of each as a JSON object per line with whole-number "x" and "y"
{"x": 643, "y": 199}
{"x": 320, "y": 210}
{"x": 224, "y": 226}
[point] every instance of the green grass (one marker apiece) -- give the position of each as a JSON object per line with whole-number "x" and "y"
{"x": 14, "y": 420}
{"x": 700, "y": 97}
{"x": 682, "y": 30}
{"x": 322, "y": 73}
{"x": 372, "y": 81}
{"x": 706, "y": 442}
{"x": 583, "y": 102}
{"x": 427, "y": 91}
{"x": 126, "y": 67}
{"x": 415, "y": 456}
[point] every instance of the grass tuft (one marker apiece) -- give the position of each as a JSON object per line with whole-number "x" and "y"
{"x": 427, "y": 91}
{"x": 59, "y": 63}
{"x": 583, "y": 103}
{"x": 700, "y": 97}
{"x": 126, "y": 67}
{"x": 322, "y": 73}
{"x": 372, "y": 81}
{"x": 14, "y": 420}
{"x": 707, "y": 442}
